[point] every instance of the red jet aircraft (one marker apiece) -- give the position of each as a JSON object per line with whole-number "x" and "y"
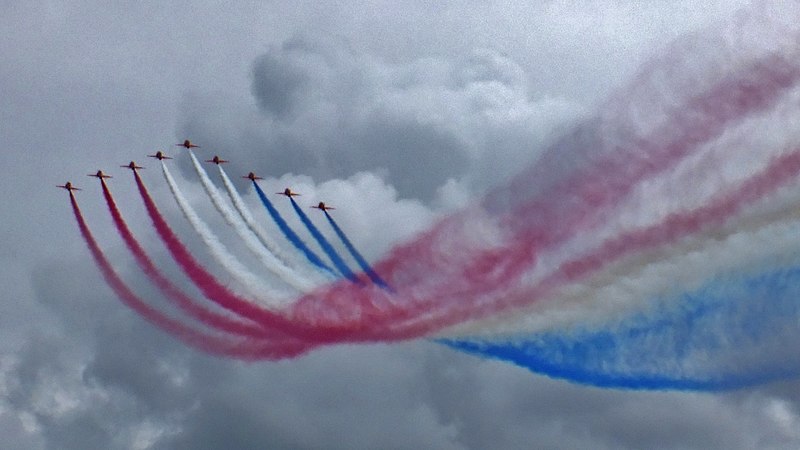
{"x": 132, "y": 165}
{"x": 252, "y": 177}
{"x": 99, "y": 174}
{"x": 68, "y": 186}
{"x": 159, "y": 156}
{"x": 187, "y": 144}
{"x": 288, "y": 192}
{"x": 217, "y": 160}
{"x": 323, "y": 206}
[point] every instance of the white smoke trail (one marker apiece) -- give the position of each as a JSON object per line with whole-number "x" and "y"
{"x": 264, "y": 239}
{"x": 763, "y": 237}
{"x": 746, "y": 240}
{"x": 630, "y": 284}
{"x": 267, "y": 258}
{"x": 270, "y": 296}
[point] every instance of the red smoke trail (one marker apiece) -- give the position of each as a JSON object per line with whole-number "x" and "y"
{"x": 239, "y": 349}
{"x": 219, "y": 294}
{"x": 410, "y": 324}
{"x": 702, "y": 118}
{"x": 432, "y": 283}
{"x": 180, "y": 299}
{"x": 779, "y": 173}
{"x": 582, "y": 200}
{"x": 554, "y": 215}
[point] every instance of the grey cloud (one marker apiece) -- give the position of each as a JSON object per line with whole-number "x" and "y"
{"x": 14, "y": 434}
{"x": 329, "y": 112}
{"x": 278, "y": 85}
{"x": 419, "y": 157}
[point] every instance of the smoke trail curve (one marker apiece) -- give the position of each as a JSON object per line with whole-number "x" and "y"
{"x": 204, "y": 280}
{"x": 247, "y": 217}
{"x": 291, "y": 235}
{"x": 778, "y": 174}
{"x": 693, "y": 342}
{"x": 355, "y": 254}
{"x": 594, "y": 189}
{"x": 248, "y": 279}
{"x": 309, "y": 329}
{"x": 183, "y": 301}
{"x": 193, "y": 338}
{"x": 326, "y": 246}
{"x": 269, "y": 260}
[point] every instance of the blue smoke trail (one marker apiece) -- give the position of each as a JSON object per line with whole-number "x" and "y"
{"x": 290, "y": 234}
{"x": 326, "y": 246}
{"x": 721, "y": 336}
{"x": 356, "y": 255}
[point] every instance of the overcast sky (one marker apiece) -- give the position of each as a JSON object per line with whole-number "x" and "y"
{"x": 408, "y": 108}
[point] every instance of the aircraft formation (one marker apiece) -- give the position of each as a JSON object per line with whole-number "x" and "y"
{"x": 296, "y": 271}
{"x": 187, "y": 144}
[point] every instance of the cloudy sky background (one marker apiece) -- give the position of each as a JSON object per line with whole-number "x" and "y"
{"x": 410, "y": 110}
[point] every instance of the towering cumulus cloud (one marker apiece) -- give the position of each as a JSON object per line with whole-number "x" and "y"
{"x": 652, "y": 246}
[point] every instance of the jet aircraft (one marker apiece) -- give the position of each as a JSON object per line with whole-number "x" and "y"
{"x": 68, "y": 186}
{"x": 252, "y": 177}
{"x": 288, "y": 192}
{"x": 217, "y": 160}
{"x": 159, "y": 156}
{"x": 132, "y": 165}
{"x": 99, "y": 174}
{"x": 323, "y": 206}
{"x": 187, "y": 144}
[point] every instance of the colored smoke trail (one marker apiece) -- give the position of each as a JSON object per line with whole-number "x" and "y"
{"x": 291, "y": 235}
{"x": 416, "y": 320}
{"x": 307, "y": 329}
{"x": 717, "y": 337}
{"x": 620, "y": 288}
{"x": 205, "y": 281}
{"x": 251, "y": 241}
{"x": 591, "y": 193}
{"x": 782, "y": 171}
{"x": 237, "y": 349}
{"x": 310, "y": 329}
{"x": 211, "y": 191}
{"x": 326, "y": 246}
{"x": 499, "y": 276}
{"x": 252, "y": 282}
{"x": 247, "y": 217}
{"x": 354, "y": 253}
{"x": 673, "y": 175}
{"x": 183, "y": 301}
